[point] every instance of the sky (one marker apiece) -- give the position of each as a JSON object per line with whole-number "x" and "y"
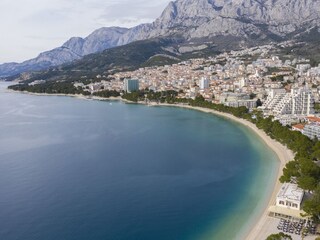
{"x": 29, "y": 27}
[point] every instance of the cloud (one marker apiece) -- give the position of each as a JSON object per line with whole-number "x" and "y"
{"x": 32, "y": 26}
{"x": 150, "y": 10}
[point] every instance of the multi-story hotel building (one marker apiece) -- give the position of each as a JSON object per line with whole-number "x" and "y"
{"x": 311, "y": 131}
{"x": 298, "y": 101}
{"x": 130, "y": 85}
{"x": 204, "y": 83}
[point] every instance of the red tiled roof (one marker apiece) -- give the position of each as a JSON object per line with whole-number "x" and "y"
{"x": 313, "y": 119}
{"x": 298, "y": 126}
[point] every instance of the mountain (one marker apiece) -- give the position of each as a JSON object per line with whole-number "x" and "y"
{"x": 74, "y": 49}
{"x": 222, "y": 23}
{"x": 127, "y": 57}
{"x": 248, "y": 19}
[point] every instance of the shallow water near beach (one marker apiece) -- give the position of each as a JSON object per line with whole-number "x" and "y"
{"x": 74, "y": 169}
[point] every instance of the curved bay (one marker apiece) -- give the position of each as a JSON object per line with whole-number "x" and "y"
{"x": 77, "y": 169}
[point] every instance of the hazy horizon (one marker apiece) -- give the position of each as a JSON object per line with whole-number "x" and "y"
{"x": 34, "y": 26}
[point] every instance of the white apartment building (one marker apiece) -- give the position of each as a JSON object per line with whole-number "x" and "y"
{"x": 303, "y": 67}
{"x": 273, "y": 99}
{"x": 241, "y": 83}
{"x": 311, "y": 131}
{"x": 233, "y": 97}
{"x": 204, "y": 83}
{"x": 298, "y": 101}
{"x": 130, "y": 85}
{"x": 287, "y": 120}
{"x": 250, "y": 104}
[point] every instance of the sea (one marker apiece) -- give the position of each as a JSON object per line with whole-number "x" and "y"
{"x": 75, "y": 169}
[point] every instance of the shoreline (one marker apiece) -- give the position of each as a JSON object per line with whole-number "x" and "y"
{"x": 78, "y": 96}
{"x": 260, "y": 223}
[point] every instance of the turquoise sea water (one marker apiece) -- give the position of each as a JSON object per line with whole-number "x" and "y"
{"x": 74, "y": 169}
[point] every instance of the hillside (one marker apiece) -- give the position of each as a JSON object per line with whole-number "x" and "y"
{"x": 128, "y": 57}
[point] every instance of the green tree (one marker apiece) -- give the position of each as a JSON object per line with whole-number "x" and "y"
{"x": 291, "y": 170}
{"x": 316, "y": 151}
{"x": 259, "y": 103}
{"x": 309, "y": 174}
{"x": 307, "y": 182}
{"x": 199, "y": 99}
{"x": 312, "y": 205}
{"x": 279, "y": 236}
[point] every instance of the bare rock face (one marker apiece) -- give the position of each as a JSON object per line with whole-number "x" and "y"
{"x": 190, "y": 20}
{"x": 102, "y": 39}
{"x": 208, "y": 18}
{"x": 75, "y": 45}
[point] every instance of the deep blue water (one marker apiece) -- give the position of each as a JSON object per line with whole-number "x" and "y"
{"x": 74, "y": 169}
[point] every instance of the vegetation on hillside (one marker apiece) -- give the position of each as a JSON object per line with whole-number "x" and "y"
{"x": 309, "y": 47}
{"x": 50, "y": 88}
{"x": 161, "y": 97}
{"x": 160, "y": 60}
{"x": 107, "y": 94}
{"x": 123, "y": 58}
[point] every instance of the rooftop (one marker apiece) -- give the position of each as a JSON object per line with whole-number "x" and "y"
{"x": 298, "y": 126}
{"x": 290, "y": 191}
{"x": 313, "y": 119}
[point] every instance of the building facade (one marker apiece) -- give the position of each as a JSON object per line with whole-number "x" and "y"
{"x": 312, "y": 131}
{"x": 131, "y": 85}
{"x": 299, "y": 101}
{"x": 288, "y": 203}
{"x": 250, "y": 104}
{"x": 290, "y": 196}
{"x": 233, "y": 97}
{"x": 204, "y": 83}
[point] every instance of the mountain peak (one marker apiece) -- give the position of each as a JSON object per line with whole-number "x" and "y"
{"x": 207, "y": 18}
{"x": 75, "y": 44}
{"x": 193, "y": 21}
{"x": 169, "y": 13}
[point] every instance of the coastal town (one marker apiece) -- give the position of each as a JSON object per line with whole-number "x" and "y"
{"x": 160, "y": 120}
{"x": 255, "y": 78}
{"x": 286, "y": 89}
{"x": 283, "y": 88}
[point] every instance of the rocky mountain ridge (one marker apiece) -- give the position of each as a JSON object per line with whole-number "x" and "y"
{"x": 74, "y": 49}
{"x": 239, "y": 21}
{"x": 194, "y": 19}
